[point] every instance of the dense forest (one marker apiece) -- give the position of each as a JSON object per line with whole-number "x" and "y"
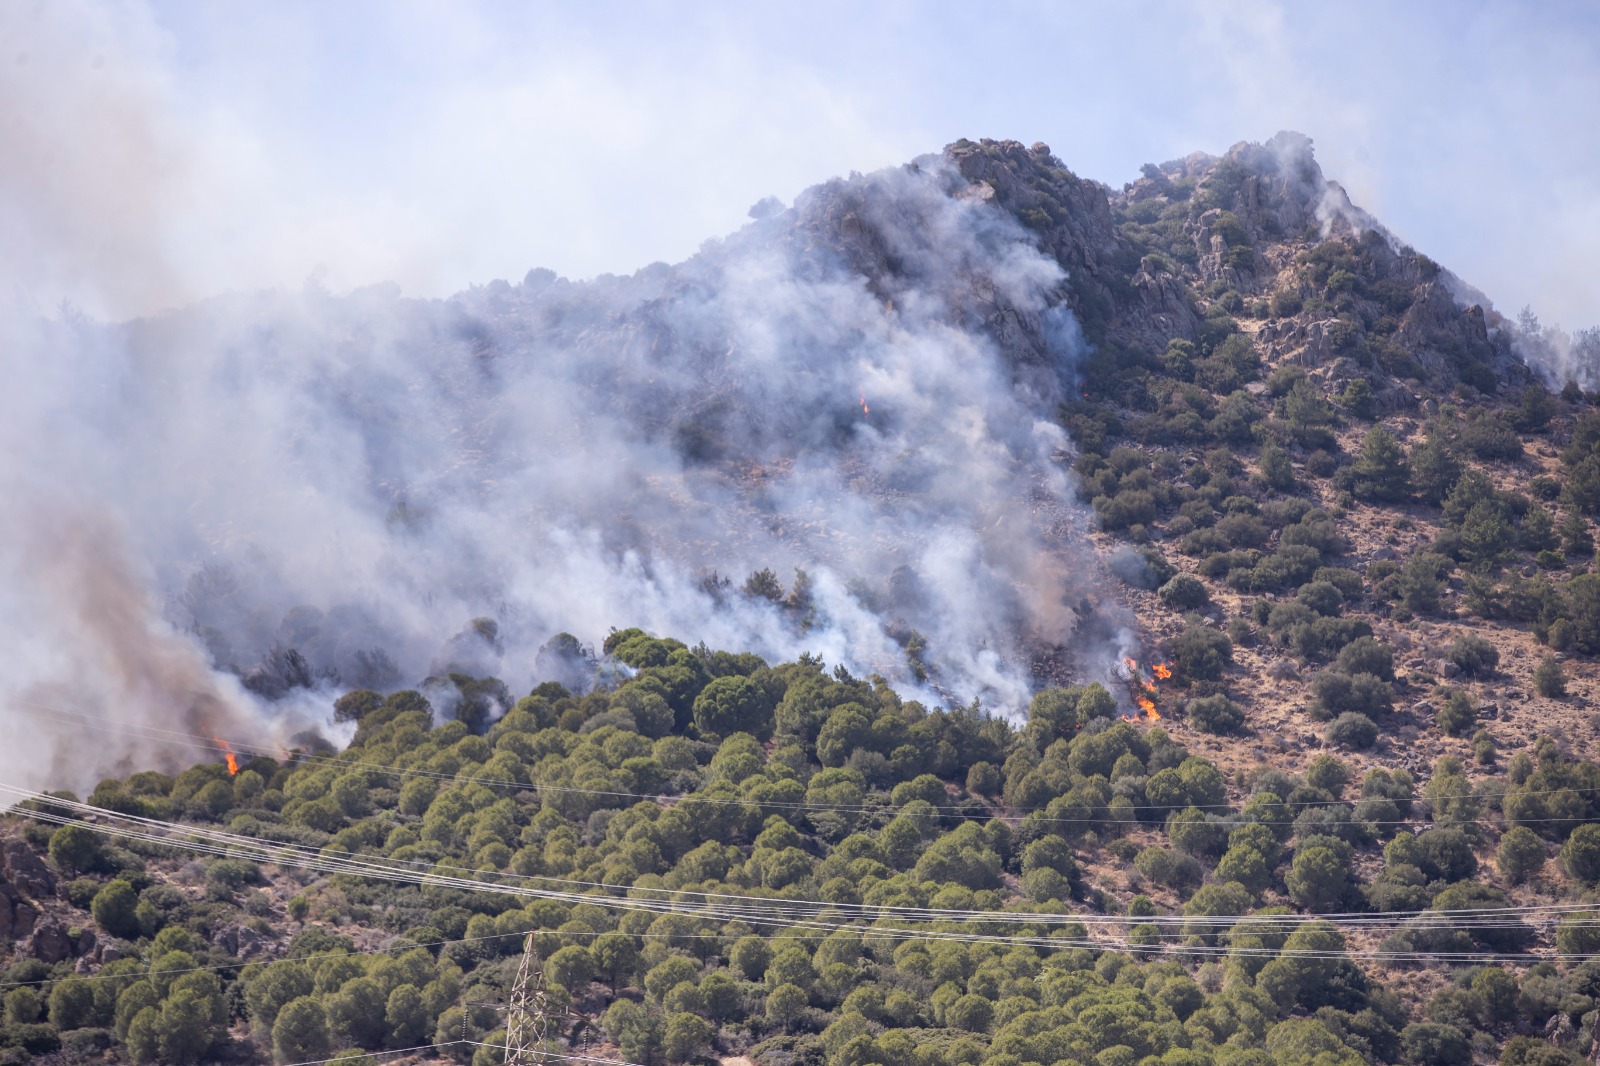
{"x": 1343, "y": 811}
{"x": 794, "y": 863}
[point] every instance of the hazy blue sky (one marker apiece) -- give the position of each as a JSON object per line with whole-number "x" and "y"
{"x": 160, "y": 151}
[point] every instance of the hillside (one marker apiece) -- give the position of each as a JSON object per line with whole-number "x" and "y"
{"x": 1262, "y": 732}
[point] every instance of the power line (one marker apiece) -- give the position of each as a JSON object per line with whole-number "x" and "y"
{"x": 430, "y": 874}
{"x": 822, "y": 926}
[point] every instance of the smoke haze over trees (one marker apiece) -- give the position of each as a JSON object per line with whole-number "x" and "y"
{"x": 296, "y": 493}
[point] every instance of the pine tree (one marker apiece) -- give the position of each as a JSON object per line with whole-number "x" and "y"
{"x": 1381, "y": 471}
{"x": 1549, "y": 680}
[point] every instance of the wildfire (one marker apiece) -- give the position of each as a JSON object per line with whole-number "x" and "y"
{"x": 227, "y": 753}
{"x": 1144, "y": 688}
{"x": 864, "y": 408}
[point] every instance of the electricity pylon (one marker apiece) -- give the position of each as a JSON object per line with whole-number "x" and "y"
{"x": 528, "y": 1015}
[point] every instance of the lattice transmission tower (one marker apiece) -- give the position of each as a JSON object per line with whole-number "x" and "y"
{"x": 528, "y": 1014}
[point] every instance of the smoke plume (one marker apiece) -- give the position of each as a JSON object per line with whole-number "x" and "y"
{"x": 246, "y": 506}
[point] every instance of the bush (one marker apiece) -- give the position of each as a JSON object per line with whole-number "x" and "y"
{"x": 1581, "y": 853}
{"x": 1352, "y": 730}
{"x": 1433, "y": 1044}
{"x": 1365, "y": 655}
{"x": 1531, "y": 1051}
{"x": 1184, "y": 592}
{"x": 1329, "y": 774}
{"x": 76, "y": 849}
{"x": 1475, "y": 656}
{"x": 983, "y": 779}
{"x": 971, "y": 1012}
{"x": 1380, "y": 473}
{"x": 687, "y": 1037}
{"x": 1215, "y": 714}
{"x": 114, "y": 909}
{"x": 1193, "y": 831}
{"x": 1167, "y": 867}
{"x": 1489, "y": 436}
{"x": 1579, "y": 934}
{"x": 1457, "y": 717}
{"x": 1521, "y": 854}
{"x": 1201, "y": 653}
{"x": 1420, "y": 583}
{"x": 1319, "y": 877}
{"x": 729, "y": 705}
{"x": 300, "y": 1033}
{"x": 1336, "y": 692}
{"x": 1549, "y": 680}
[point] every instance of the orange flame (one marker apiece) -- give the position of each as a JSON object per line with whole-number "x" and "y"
{"x": 864, "y": 408}
{"x": 227, "y": 753}
{"x": 1146, "y": 687}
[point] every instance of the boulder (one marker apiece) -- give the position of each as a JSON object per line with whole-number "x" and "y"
{"x": 23, "y": 917}
{"x": 50, "y": 942}
{"x": 22, "y": 866}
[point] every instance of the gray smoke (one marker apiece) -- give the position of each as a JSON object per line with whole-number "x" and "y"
{"x": 242, "y": 508}
{"x": 1557, "y": 355}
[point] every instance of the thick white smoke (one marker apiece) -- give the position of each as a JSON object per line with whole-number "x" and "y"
{"x": 310, "y": 492}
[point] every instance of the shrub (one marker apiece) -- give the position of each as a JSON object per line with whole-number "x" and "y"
{"x": 1380, "y": 473}
{"x": 1581, "y": 853}
{"x": 729, "y": 705}
{"x": 1167, "y": 867}
{"x": 1201, "y": 653}
{"x": 1483, "y": 748}
{"x": 1352, "y": 730}
{"x": 1457, "y": 716}
{"x": 1365, "y": 655}
{"x": 1475, "y": 656}
{"x": 1192, "y": 831}
{"x": 1521, "y": 854}
{"x": 1336, "y": 692}
{"x": 1319, "y": 877}
{"x": 1246, "y": 865}
{"x": 1434, "y": 468}
{"x": 114, "y": 909}
{"x": 300, "y": 1032}
{"x": 1489, "y": 436}
{"x": 1329, "y": 774}
{"x": 1128, "y": 508}
{"x": 1420, "y": 582}
{"x": 1579, "y": 934}
{"x": 971, "y": 1012}
{"x": 687, "y": 1037}
{"x": 1549, "y": 680}
{"x": 1531, "y": 1051}
{"x": 77, "y": 849}
{"x": 1434, "y": 1044}
{"x": 1276, "y": 469}
{"x": 1184, "y": 592}
{"x": 983, "y": 779}
{"x": 1215, "y": 714}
